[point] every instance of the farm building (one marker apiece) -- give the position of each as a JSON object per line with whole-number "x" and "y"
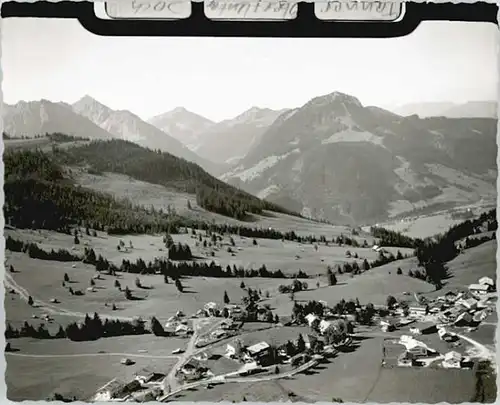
{"x": 148, "y": 376}
{"x": 211, "y": 308}
{"x": 480, "y": 289}
{"x": 230, "y": 351}
{"x": 423, "y": 328}
{"x": 110, "y": 390}
{"x": 469, "y": 303}
{"x": 416, "y": 347}
{"x": 323, "y": 326}
{"x": 193, "y": 367}
{"x": 446, "y": 336}
{"x": 452, "y": 360}
{"x": 219, "y": 333}
{"x": 464, "y": 319}
{"x": 310, "y": 318}
{"x": 259, "y": 351}
{"x": 388, "y": 325}
{"x": 406, "y": 359}
{"x": 486, "y": 281}
{"x": 418, "y": 310}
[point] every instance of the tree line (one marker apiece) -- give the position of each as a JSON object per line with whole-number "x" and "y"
{"x": 39, "y": 196}
{"x": 92, "y": 328}
{"x": 33, "y": 251}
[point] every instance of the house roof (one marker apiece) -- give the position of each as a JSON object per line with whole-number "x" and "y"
{"x": 311, "y": 317}
{"x": 193, "y": 363}
{"x": 470, "y": 301}
{"x": 455, "y": 356}
{"x": 486, "y": 280}
{"x": 257, "y": 348}
{"x": 465, "y": 316}
{"x": 112, "y": 386}
{"x": 480, "y": 287}
{"x": 418, "y": 307}
{"x": 423, "y": 325}
{"x": 145, "y": 372}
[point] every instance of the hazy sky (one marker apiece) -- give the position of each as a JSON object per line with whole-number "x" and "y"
{"x": 221, "y": 77}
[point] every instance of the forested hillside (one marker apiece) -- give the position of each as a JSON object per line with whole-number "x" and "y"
{"x": 162, "y": 168}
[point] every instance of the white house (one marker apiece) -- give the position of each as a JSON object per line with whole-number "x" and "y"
{"x": 310, "y": 318}
{"x": 210, "y": 307}
{"x": 230, "y": 351}
{"x": 445, "y": 335}
{"x": 452, "y": 360}
{"x": 259, "y": 350}
{"x": 469, "y": 304}
{"x": 109, "y": 390}
{"x": 480, "y": 288}
{"x": 418, "y": 310}
{"x": 486, "y": 281}
{"x": 323, "y": 326}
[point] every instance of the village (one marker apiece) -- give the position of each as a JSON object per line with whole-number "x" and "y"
{"x": 425, "y": 333}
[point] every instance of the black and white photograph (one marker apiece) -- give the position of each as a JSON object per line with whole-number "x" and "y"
{"x": 250, "y": 219}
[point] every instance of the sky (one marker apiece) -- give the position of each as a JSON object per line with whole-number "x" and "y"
{"x": 220, "y": 78}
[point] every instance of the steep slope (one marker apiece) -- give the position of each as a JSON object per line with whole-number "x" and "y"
{"x": 472, "y": 109}
{"x": 185, "y": 126}
{"x": 30, "y": 119}
{"x": 229, "y": 140}
{"x": 165, "y": 169}
{"x": 334, "y": 158}
{"x": 128, "y": 126}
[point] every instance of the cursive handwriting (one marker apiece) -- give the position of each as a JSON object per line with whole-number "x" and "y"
{"x": 251, "y": 9}
{"x": 367, "y": 9}
{"x": 151, "y": 9}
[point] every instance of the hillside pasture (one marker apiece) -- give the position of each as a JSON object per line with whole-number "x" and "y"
{"x": 36, "y": 378}
{"x": 110, "y": 346}
{"x": 147, "y": 194}
{"x": 288, "y": 256}
{"x": 423, "y": 226}
{"x": 468, "y": 267}
{"x": 372, "y": 286}
{"x": 43, "y": 279}
{"x": 264, "y": 392}
{"x": 424, "y": 385}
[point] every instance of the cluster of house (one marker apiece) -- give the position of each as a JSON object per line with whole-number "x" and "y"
{"x": 418, "y": 353}
{"x": 178, "y": 325}
{"x": 461, "y": 308}
{"x": 145, "y": 386}
{"x": 213, "y": 309}
{"x": 484, "y": 286}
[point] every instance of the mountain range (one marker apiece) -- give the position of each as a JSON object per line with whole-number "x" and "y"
{"x": 331, "y": 158}
{"x": 471, "y": 109}
{"x": 334, "y": 158}
{"x": 88, "y": 118}
{"x": 224, "y": 142}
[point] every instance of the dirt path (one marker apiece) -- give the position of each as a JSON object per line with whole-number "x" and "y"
{"x": 482, "y": 351}
{"x": 191, "y": 350}
{"x": 222, "y": 379}
{"x": 51, "y": 308}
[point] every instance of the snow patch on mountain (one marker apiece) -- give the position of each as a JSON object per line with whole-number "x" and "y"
{"x": 266, "y": 192}
{"x": 258, "y": 169}
{"x": 354, "y": 136}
